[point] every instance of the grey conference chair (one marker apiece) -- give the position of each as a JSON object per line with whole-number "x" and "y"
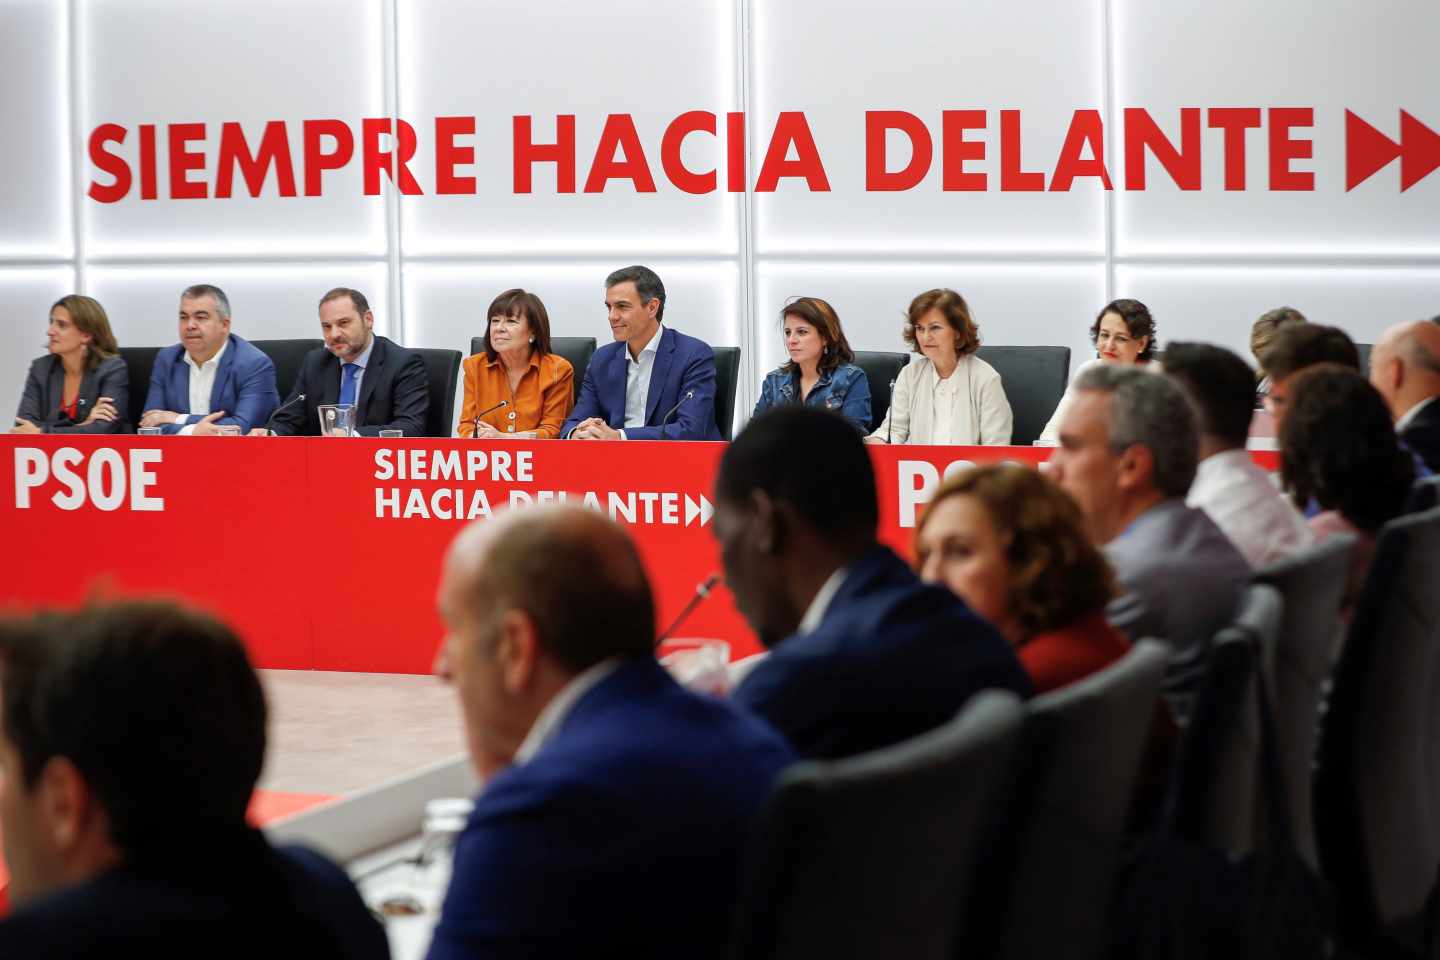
{"x": 442, "y": 369}
{"x": 139, "y": 361}
{"x": 578, "y": 350}
{"x": 1376, "y": 790}
{"x": 727, "y": 376}
{"x": 871, "y": 856}
{"x": 1034, "y": 379}
{"x": 1297, "y": 669}
{"x": 1363, "y": 349}
{"x": 288, "y": 356}
{"x": 1217, "y": 773}
{"x": 881, "y": 369}
{"x": 1053, "y": 861}
{"x": 1424, "y": 495}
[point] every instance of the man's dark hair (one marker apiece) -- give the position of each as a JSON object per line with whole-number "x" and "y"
{"x": 812, "y": 460}
{"x": 1221, "y": 386}
{"x": 1306, "y": 344}
{"x": 1338, "y": 447}
{"x": 362, "y": 306}
{"x": 140, "y": 697}
{"x": 647, "y": 285}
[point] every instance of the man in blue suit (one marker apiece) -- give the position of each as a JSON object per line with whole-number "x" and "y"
{"x": 616, "y": 804}
{"x": 211, "y": 378}
{"x": 652, "y": 383}
{"x": 863, "y": 654}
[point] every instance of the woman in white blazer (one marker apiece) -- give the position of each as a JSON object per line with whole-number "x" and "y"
{"x": 947, "y": 395}
{"x": 1123, "y": 332}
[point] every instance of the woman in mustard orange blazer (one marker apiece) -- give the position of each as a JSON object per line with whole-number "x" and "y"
{"x": 517, "y": 367}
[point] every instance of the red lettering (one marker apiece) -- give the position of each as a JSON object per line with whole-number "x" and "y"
{"x": 448, "y": 155}
{"x": 274, "y": 150}
{"x": 109, "y": 163}
{"x": 1142, "y": 133}
{"x": 182, "y": 161}
{"x": 877, "y": 125}
{"x": 957, "y": 150}
{"x": 735, "y": 150}
{"x": 792, "y": 128}
{"x": 1086, "y": 129}
{"x": 376, "y": 161}
{"x": 1284, "y": 148}
{"x": 148, "y": 190}
{"x": 561, "y": 153}
{"x": 316, "y": 160}
{"x": 1234, "y": 121}
{"x": 1011, "y": 176}
{"x": 696, "y": 121}
{"x": 619, "y": 139}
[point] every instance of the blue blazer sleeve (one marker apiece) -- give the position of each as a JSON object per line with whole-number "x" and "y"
{"x": 856, "y": 407}
{"x": 587, "y": 406}
{"x": 695, "y": 418}
{"x": 256, "y": 397}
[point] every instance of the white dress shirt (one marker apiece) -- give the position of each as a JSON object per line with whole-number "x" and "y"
{"x": 968, "y": 407}
{"x": 1248, "y": 509}
{"x": 554, "y": 713}
{"x": 637, "y": 380}
{"x": 202, "y": 383}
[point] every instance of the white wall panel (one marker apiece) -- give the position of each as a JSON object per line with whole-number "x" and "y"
{"x": 267, "y": 301}
{"x": 1374, "y": 59}
{"x": 25, "y": 298}
{"x": 246, "y": 61}
{"x": 1218, "y": 305}
{"x": 835, "y": 60}
{"x": 543, "y": 58}
{"x": 35, "y": 213}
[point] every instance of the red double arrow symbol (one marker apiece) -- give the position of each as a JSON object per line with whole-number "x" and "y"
{"x": 1367, "y": 150}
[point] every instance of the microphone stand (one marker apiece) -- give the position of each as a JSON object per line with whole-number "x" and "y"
{"x": 664, "y": 419}
{"x": 890, "y": 414}
{"x": 270, "y": 423}
{"x": 475, "y": 423}
{"x": 702, "y": 590}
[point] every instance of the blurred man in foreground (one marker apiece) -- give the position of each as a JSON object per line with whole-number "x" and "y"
{"x": 131, "y": 737}
{"x": 617, "y": 804}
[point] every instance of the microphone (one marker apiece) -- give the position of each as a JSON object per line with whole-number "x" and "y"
{"x": 688, "y": 395}
{"x": 298, "y": 398}
{"x": 702, "y": 590}
{"x": 890, "y": 417}
{"x": 487, "y": 411}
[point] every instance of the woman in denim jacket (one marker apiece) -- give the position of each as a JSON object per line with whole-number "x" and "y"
{"x": 821, "y": 371}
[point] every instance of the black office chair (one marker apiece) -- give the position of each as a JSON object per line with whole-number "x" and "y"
{"x": 288, "y": 356}
{"x": 139, "y": 361}
{"x": 1297, "y": 669}
{"x": 1364, "y": 350}
{"x": 874, "y": 855}
{"x": 1424, "y": 495}
{"x": 442, "y": 367}
{"x": 727, "y": 373}
{"x": 1053, "y": 860}
{"x": 578, "y": 350}
{"x": 1377, "y": 786}
{"x": 1034, "y": 379}
{"x": 881, "y": 369}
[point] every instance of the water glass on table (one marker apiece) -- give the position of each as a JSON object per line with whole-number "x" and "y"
{"x": 337, "y": 419}
{"x": 697, "y": 663}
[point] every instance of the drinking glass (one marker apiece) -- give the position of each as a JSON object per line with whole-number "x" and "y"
{"x": 229, "y": 430}
{"x": 697, "y": 663}
{"x": 149, "y": 431}
{"x": 392, "y": 434}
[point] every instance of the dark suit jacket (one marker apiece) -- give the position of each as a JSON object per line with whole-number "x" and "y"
{"x": 236, "y": 899}
{"x": 891, "y": 659}
{"x": 683, "y": 365}
{"x": 622, "y": 837}
{"x": 1422, "y": 435}
{"x": 244, "y": 386}
{"x": 45, "y": 391}
{"x": 394, "y": 393}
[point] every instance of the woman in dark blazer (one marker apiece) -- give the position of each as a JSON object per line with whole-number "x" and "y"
{"x": 82, "y": 385}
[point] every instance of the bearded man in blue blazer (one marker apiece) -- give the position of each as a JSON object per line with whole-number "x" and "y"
{"x": 211, "y": 378}
{"x": 617, "y": 804}
{"x": 652, "y": 383}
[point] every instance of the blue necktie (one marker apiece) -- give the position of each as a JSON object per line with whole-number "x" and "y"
{"x": 347, "y": 382}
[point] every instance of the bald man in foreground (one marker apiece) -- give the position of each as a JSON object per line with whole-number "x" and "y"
{"x": 1405, "y": 368}
{"x": 616, "y": 804}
